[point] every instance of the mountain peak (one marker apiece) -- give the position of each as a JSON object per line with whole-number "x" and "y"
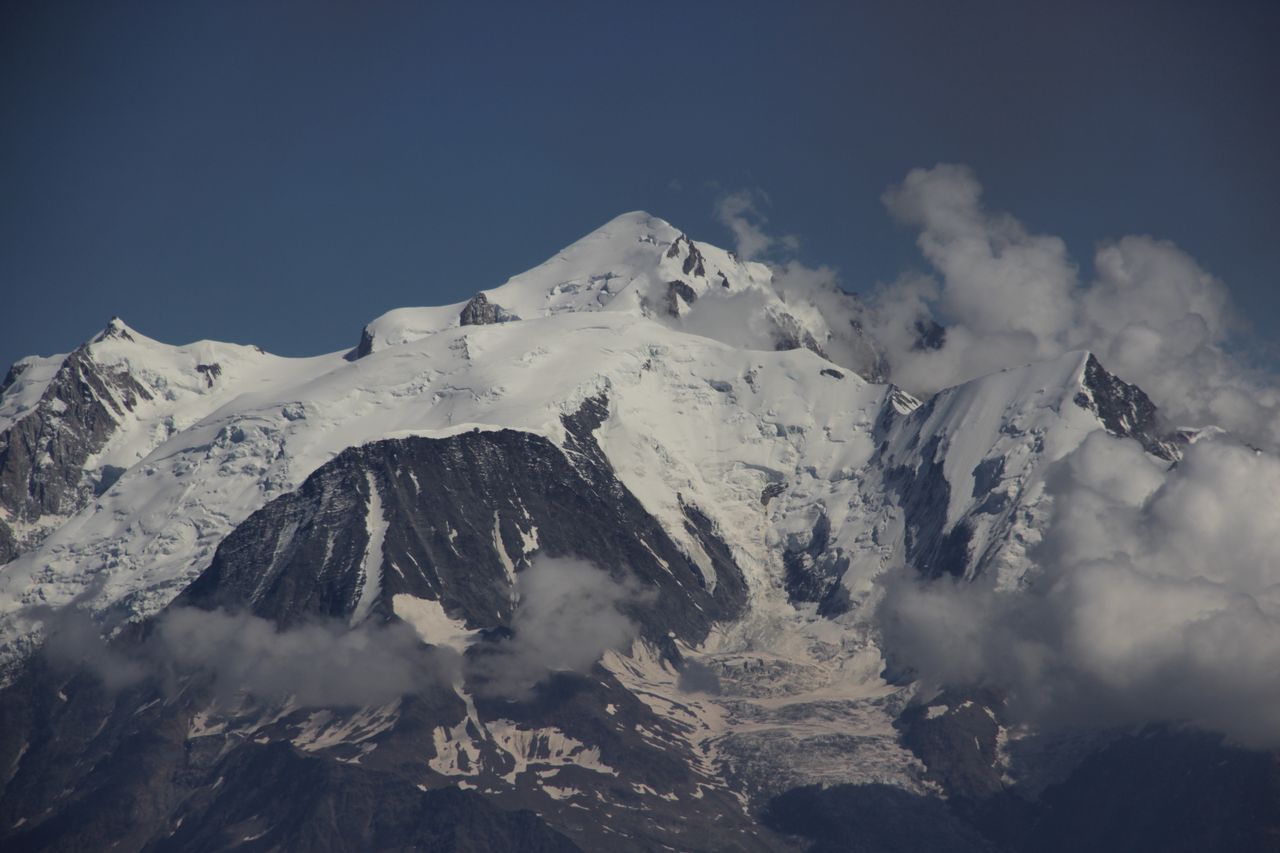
{"x": 1123, "y": 408}
{"x": 116, "y": 329}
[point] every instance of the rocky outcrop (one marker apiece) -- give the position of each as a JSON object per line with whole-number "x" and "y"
{"x": 210, "y": 372}
{"x": 679, "y": 294}
{"x": 479, "y": 311}
{"x": 460, "y": 514}
{"x": 43, "y": 453}
{"x": 1124, "y": 409}
{"x": 694, "y": 264}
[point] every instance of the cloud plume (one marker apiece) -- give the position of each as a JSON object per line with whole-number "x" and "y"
{"x": 1007, "y": 296}
{"x": 740, "y": 213}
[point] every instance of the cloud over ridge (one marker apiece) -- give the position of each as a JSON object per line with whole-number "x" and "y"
{"x": 1154, "y": 594}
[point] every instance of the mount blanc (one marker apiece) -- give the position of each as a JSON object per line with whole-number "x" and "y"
{"x": 723, "y": 452}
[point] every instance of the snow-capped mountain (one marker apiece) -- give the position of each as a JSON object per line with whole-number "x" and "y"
{"x": 721, "y": 452}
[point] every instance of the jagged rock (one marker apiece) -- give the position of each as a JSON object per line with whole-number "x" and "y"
{"x": 365, "y": 347}
{"x": 789, "y": 334}
{"x": 678, "y": 292}
{"x": 956, "y": 735}
{"x": 814, "y": 570}
{"x": 694, "y": 263}
{"x": 1124, "y": 409}
{"x": 43, "y": 453}
{"x": 116, "y": 329}
{"x": 210, "y": 372}
{"x": 15, "y": 371}
{"x": 479, "y": 311}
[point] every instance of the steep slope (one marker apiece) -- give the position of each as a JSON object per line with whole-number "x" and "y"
{"x": 968, "y": 467}
{"x": 70, "y": 425}
{"x": 641, "y": 265}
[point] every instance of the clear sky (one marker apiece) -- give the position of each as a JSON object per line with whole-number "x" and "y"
{"x": 278, "y": 173}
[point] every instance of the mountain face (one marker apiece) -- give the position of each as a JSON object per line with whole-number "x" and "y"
{"x": 591, "y": 560}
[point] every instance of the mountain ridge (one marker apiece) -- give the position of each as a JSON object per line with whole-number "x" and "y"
{"x": 721, "y": 455}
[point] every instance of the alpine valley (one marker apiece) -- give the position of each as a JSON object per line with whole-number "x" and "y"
{"x": 595, "y": 560}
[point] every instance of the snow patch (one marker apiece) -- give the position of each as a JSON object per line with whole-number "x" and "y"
{"x": 432, "y": 624}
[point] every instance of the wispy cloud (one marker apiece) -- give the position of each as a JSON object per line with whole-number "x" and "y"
{"x": 569, "y": 613}
{"x": 741, "y": 213}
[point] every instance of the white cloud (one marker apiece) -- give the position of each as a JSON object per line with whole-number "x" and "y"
{"x": 315, "y": 664}
{"x": 1009, "y": 297}
{"x": 569, "y": 613}
{"x": 1153, "y": 597}
{"x": 740, "y": 213}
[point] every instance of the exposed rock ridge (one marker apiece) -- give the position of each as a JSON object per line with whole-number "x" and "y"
{"x": 479, "y": 311}
{"x": 1124, "y": 409}
{"x": 42, "y": 454}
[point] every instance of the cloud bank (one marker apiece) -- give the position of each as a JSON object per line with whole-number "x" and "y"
{"x": 1153, "y": 597}
{"x": 323, "y": 663}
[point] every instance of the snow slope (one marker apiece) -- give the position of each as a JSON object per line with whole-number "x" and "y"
{"x": 640, "y": 265}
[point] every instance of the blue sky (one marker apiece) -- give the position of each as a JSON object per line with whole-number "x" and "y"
{"x": 279, "y": 173}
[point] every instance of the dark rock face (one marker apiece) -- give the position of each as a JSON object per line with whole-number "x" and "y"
{"x": 479, "y": 311}
{"x": 771, "y": 491}
{"x": 210, "y": 372}
{"x": 1124, "y": 409}
{"x": 365, "y": 347}
{"x": 1163, "y": 790}
{"x": 42, "y": 455}
{"x": 296, "y": 802}
{"x": 15, "y": 370}
{"x": 871, "y": 819}
{"x": 924, "y": 493}
{"x": 1154, "y": 792}
{"x": 788, "y": 334}
{"x": 457, "y": 512}
{"x": 955, "y": 735}
{"x": 678, "y": 291}
{"x": 813, "y": 572}
{"x": 694, "y": 263}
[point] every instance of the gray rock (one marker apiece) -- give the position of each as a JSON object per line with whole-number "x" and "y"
{"x": 479, "y": 311}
